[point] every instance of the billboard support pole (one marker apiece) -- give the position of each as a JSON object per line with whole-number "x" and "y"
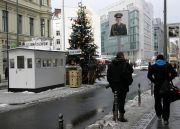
{"x": 165, "y": 30}
{"x": 119, "y": 43}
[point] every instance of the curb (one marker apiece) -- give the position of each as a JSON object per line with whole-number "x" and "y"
{"x": 2, "y": 87}
{"x": 145, "y": 121}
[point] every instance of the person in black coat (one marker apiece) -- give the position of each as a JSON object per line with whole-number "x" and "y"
{"x": 117, "y": 83}
{"x": 6, "y": 73}
{"x": 157, "y": 74}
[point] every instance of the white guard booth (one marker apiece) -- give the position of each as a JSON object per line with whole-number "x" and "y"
{"x": 36, "y": 70}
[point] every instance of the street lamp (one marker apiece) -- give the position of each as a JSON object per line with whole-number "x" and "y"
{"x": 165, "y": 29}
{"x": 7, "y": 43}
{"x": 17, "y": 11}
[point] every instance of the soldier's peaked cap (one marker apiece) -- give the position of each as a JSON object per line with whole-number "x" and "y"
{"x": 118, "y": 15}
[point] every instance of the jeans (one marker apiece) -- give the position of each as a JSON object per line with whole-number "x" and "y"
{"x": 162, "y": 104}
{"x": 121, "y": 96}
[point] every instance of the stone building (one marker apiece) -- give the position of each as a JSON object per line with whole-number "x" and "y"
{"x": 22, "y": 20}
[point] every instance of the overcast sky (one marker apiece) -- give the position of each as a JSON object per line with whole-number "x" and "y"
{"x": 173, "y": 6}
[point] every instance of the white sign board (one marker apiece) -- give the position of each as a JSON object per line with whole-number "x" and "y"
{"x": 75, "y": 52}
{"x": 39, "y": 44}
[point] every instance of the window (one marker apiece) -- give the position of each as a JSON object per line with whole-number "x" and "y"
{"x": 19, "y": 24}
{"x": 41, "y": 2}
{"x": 44, "y": 63}
{"x": 38, "y": 63}
{"x": 58, "y": 41}
{"x": 49, "y": 63}
{"x": 42, "y": 27}
{"x": 20, "y": 62}
{"x": 31, "y": 24}
{"x": 61, "y": 62}
{"x": 58, "y": 48}
{"x": 29, "y": 62}
{"x": 11, "y": 61}
{"x": 5, "y": 20}
{"x": 54, "y": 61}
{"x": 48, "y": 28}
{"x": 57, "y": 33}
{"x": 44, "y": 2}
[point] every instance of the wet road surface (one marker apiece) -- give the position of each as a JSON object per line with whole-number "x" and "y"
{"x": 78, "y": 110}
{"x": 45, "y": 115}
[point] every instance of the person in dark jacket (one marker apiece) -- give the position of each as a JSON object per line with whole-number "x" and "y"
{"x": 158, "y": 73}
{"x": 117, "y": 83}
{"x": 6, "y": 73}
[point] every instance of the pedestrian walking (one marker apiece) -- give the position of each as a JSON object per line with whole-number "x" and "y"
{"x": 119, "y": 76}
{"x": 178, "y": 68}
{"x": 149, "y": 65}
{"x": 158, "y": 73}
{"x": 6, "y": 73}
{"x": 175, "y": 66}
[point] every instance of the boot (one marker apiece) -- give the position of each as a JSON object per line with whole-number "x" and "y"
{"x": 121, "y": 118}
{"x": 115, "y": 116}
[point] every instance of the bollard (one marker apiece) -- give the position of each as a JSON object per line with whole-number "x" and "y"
{"x": 116, "y": 107}
{"x": 60, "y": 121}
{"x": 139, "y": 94}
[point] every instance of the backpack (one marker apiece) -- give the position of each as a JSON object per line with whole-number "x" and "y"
{"x": 126, "y": 75}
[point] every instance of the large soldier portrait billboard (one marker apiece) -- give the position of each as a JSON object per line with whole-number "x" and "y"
{"x": 173, "y": 31}
{"x": 118, "y": 23}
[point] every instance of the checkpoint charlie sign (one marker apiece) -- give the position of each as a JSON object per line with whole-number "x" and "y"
{"x": 74, "y": 52}
{"x": 39, "y": 44}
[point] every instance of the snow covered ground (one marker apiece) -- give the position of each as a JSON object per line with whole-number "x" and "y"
{"x": 135, "y": 114}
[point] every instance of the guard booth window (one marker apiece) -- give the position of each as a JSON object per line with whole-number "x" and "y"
{"x": 38, "y": 63}
{"x": 11, "y": 63}
{"x": 29, "y": 63}
{"x": 20, "y": 62}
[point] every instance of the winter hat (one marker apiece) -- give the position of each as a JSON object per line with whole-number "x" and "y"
{"x": 120, "y": 55}
{"x": 160, "y": 56}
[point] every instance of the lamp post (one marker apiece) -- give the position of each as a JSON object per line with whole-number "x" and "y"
{"x": 7, "y": 43}
{"x": 165, "y": 29}
{"x": 17, "y": 11}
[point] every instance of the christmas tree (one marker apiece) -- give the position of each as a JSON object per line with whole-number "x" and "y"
{"x": 82, "y": 38}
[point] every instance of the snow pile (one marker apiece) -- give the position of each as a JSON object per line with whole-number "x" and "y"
{"x": 27, "y": 92}
{"x": 3, "y": 105}
{"x": 134, "y": 113}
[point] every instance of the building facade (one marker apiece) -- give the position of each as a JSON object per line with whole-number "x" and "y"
{"x": 22, "y": 20}
{"x": 138, "y": 44}
{"x": 70, "y": 14}
{"x": 158, "y": 36}
{"x": 173, "y": 30}
{"x": 57, "y": 30}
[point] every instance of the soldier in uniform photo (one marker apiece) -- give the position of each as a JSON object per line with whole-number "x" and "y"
{"x": 118, "y": 28}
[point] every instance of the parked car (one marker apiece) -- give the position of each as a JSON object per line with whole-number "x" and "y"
{"x": 144, "y": 66}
